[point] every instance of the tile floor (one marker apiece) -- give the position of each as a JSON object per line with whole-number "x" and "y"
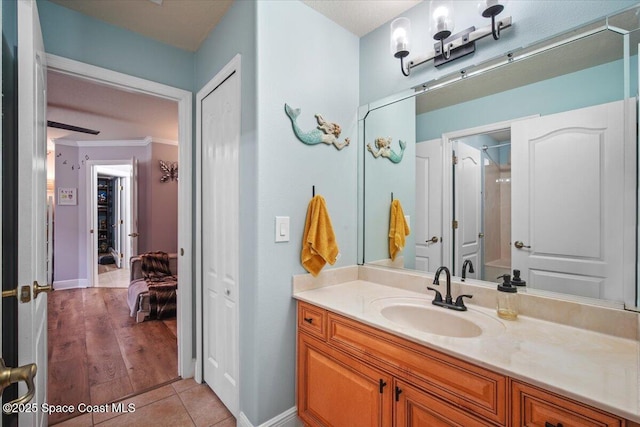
{"x": 183, "y": 403}
{"x": 109, "y": 276}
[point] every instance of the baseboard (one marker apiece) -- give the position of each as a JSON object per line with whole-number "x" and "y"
{"x": 70, "y": 284}
{"x": 288, "y": 418}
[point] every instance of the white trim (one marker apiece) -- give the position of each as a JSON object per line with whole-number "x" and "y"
{"x": 117, "y": 143}
{"x": 70, "y": 284}
{"x": 186, "y": 362}
{"x": 164, "y": 141}
{"x": 233, "y": 66}
{"x": 447, "y": 202}
{"x": 288, "y": 418}
{"x": 105, "y": 143}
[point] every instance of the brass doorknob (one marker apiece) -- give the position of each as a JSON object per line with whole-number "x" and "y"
{"x": 133, "y": 234}
{"x": 434, "y": 239}
{"x": 10, "y": 376}
{"x": 37, "y": 289}
{"x": 519, "y": 245}
{"x": 480, "y": 235}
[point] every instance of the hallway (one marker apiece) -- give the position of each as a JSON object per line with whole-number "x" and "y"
{"x": 99, "y": 354}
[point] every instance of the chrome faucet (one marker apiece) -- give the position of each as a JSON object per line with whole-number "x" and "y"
{"x": 448, "y": 299}
{"x": 467, "y": 262}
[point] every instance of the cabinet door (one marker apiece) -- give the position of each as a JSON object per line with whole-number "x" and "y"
{"x": 533, "y": 407}
{"x": 337, "y": 390}
{"x": 416, "y": 408}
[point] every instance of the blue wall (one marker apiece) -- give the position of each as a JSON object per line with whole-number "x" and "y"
{"x": 311, "y": 63}
{"x": 382, "y": 177}
{"x": 380, "y": 74}
{"x": 72, "y": 35}
{"x": 236, "y": 33}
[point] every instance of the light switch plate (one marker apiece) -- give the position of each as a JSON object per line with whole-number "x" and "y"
{"x": 282, "y": 229}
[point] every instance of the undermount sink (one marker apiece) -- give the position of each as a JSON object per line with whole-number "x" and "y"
{"x": 421, "y": 315}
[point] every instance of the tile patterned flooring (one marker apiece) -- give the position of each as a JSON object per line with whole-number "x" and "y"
{"x": 184, "y": 403}
{"x": 110, "y": 276}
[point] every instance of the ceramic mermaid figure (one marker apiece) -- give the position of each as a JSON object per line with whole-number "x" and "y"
{"x": 384, "y": 149}
{"x": 325, "y": 132}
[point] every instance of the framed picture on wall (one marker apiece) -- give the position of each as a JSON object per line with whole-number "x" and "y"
{"x": 67, "y": 196}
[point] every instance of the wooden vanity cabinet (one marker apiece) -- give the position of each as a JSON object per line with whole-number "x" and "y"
{"x": 534, "y": 407}
{"x": 337, "y": 390}
{"x": 354, "y": 375}
{"x": 351, "y": 374}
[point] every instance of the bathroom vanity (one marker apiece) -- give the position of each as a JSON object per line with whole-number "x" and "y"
{"x": 356, "y": 367}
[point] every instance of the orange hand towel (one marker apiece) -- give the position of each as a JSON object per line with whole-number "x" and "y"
{"x": 398, "y": 229}
{"x": 318, "y": 241}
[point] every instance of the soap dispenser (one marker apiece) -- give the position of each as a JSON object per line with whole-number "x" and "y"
{"x": 507, "y": 299}
{"x": 516, "y": 280}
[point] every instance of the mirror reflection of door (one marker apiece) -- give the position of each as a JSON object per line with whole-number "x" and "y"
{"x": 481, "y": 223}
{"x": 428, "y": 217}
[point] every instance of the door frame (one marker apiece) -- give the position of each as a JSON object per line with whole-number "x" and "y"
{"x": 186, "y": 361}
{"x": 234, "y": 66}
{"x": 92, "y": 212}
{"x": 447, "y": 182}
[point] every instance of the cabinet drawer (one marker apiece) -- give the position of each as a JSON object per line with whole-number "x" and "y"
{"x": 534, "y": 407}
{"x": 312, "y": 320}
{"x": 461, "y": 384}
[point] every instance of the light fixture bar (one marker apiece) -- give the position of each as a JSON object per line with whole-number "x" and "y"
{"x": 454, "y": 44}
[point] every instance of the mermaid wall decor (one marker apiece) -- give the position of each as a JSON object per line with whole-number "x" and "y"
{"x": 383, "y": 146}
{"x": 325, "y": 132}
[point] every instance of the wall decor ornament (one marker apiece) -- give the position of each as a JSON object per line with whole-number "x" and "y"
{"x": 67, "y": 196}
{"x": 325, "y": 132}
{"x": 383, "y": 146}
{"x": 170, "y": 170}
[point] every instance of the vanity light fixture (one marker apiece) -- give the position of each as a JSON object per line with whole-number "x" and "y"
{"x": 448, "y": 47}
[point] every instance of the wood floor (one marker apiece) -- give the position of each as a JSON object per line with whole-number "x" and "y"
{"x": 99, "y": 354}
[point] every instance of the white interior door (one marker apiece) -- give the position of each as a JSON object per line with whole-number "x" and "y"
{"x": 568, "y": 201}
{"x": 428, "y": 221}
{"x": 133, "y": 203}
{"x": 32, "y": 101}
{"x": 468, "y": 207}
{"x": 117, "y": 218}
{"x": 220, "y": 119}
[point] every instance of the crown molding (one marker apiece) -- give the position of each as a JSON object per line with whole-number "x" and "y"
{"x": 107, "y": 143}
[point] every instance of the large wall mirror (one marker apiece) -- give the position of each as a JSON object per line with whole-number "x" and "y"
{"x": 526, "y": 162}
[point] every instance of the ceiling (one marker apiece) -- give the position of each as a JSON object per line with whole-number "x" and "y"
{"x": 186, "y": 23}
{"x": 117, "y": 114}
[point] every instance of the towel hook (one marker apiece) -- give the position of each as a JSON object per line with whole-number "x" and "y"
{"x": 392, "y": 196}
{"x": 313, "y": 190}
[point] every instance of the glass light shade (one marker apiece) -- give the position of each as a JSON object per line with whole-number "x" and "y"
{"x": 400, "y": 34}
{"x": 441, "y": 12}
{"x": 489, "y": 8}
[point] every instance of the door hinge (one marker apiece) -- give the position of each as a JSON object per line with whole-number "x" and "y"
{"x": 121, "y": 188}
{"x": 454, "y": 160}
{"x": 121, "y": 256}
{"x": 454, "y": 224}
{"x": 121, "y": 222}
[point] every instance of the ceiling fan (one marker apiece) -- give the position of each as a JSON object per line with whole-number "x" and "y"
{"x": 72, "y": 128}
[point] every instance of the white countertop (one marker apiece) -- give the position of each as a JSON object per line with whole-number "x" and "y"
{"x": 593, "y": 368}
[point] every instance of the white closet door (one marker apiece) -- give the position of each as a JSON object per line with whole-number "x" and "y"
{"x": 220, "y": 234}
